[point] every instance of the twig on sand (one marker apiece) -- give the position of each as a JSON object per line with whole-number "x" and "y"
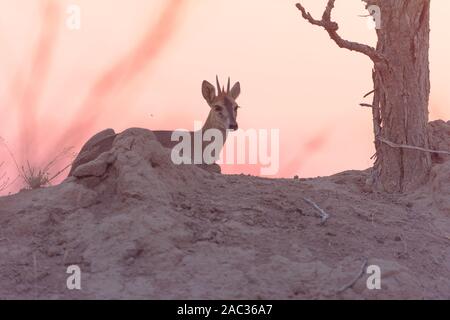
{"x": 352, "y": 283}
{"x": 323, "y": 215}
{"x": 405, "y": 146}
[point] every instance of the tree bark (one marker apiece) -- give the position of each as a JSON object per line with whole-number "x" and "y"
{"x": 402, "y": 88}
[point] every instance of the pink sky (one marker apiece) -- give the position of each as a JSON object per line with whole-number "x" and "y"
{"x": 141, "y": 63}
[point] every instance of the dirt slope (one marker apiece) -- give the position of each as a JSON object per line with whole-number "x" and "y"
{"x": 140, "y": 227}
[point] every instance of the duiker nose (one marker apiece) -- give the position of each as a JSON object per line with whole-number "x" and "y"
{"x": 234, "y": 126}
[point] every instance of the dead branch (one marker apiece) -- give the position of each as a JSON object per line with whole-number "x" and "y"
{"x": 352, "y": 283}
{"x": 332, "y": 27}
{"x": 324, "y": 216}
{"x": 405, "y": 146}
{"x": 369, "y": 93}
{"x": 60, "y": 171}
{"x": 366, "y": 105}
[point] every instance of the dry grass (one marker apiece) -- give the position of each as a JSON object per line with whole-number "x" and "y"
{"x": 4, "y": 180}
{"x": 35, "y": 177}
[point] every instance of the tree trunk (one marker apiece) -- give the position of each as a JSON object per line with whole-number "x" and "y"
{"x": 402, "y": 88}
{"x": 401, "y": 78}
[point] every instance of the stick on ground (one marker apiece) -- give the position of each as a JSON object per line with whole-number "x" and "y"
{"x": 324, "y": 216}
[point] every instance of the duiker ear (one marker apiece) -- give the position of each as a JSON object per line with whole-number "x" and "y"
{"x": 208, "y": 91}
{"x": 235, "y": 91}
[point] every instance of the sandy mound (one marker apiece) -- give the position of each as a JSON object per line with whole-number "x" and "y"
{"x": 140, "y": 227}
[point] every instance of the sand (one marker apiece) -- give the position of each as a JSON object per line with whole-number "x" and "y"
{"x": 140, "y": 227}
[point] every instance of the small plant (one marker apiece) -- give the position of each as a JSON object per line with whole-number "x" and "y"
{"x": 35, "y": 177}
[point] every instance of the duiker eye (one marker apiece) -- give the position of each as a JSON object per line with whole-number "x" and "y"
{"x": 218, "y": 108}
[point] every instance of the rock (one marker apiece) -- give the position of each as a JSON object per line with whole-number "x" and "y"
{"x": 96, "y": 167}
{"x": 89, "y": 163}
{"x": 440, "y": 185}
{"x": 439, "y": 139}
{"x": 99, "y": 143}
{"x": 134, "y": 164}
{"x": 440, "y": 190}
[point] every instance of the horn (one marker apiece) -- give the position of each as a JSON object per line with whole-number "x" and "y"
{"x": 218, "y": 85}
{"x": 228, "y": 86}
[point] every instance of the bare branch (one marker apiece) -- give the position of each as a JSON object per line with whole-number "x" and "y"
{"x": 332, "y": 27}
{"x": 369, "y": 93}
{"x": 60, "y": 171}
{"x": 405, "y": 146}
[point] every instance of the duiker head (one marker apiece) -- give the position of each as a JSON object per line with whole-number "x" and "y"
{"x": 223, "y": 104}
